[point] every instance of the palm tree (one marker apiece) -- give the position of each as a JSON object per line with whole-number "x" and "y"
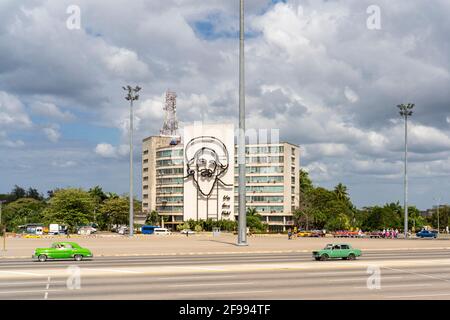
{"x": 252, "y": 212}
{"x": 341, "y": 192}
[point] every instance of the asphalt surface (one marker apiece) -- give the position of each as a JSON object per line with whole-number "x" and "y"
{"x": 415, "y": 274}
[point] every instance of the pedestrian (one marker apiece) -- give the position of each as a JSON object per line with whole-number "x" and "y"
{"x": 289, "y": 234}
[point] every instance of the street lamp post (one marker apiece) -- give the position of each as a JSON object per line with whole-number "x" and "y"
{"x": 242, "y": 218}
{"x": 405, "y": 112}
{"x": 131, "y": 96}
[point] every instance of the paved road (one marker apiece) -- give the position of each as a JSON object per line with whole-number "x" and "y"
{"x": 404, "y": 275}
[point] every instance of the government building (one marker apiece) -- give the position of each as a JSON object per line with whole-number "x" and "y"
{"x": 195, "y": 176}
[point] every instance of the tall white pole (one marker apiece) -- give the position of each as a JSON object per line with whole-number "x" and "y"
{"x": 242, "y": 218}
{"x": 131, "y": 96}
{"x": 406, "y": 177}
{"x": 406, "y": 110}
{"x": 131, "y": 171}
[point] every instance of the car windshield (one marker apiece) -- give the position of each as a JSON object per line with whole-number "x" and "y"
{"x": 328, "y": 247}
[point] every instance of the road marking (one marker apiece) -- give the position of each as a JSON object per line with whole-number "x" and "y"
{"x": 219, "y": 293}
{"x": 205, "y": 268}
{"x": 112, "y": 270}
{"x": 401, "y": 286}
{"x": 195, "y": 277}
{"x": 419, "y": 296}
{"x": 363, "y": 279}
{"x": 28, "y": 291}
{"x": 208, "y": 284}
{"x": 6, "y": 284}
{"x": 418, "y": 274}
{"x": 48, "y": 286}
{"x": 23, "y": 273}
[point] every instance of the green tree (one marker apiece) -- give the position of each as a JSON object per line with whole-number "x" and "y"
{"x": 306, "y": 184}
{"x": 34, "y": 194}
{"x": 71, "y": 207}
{"x": 21, "y": 212}
{"x": 18, "y": 193}
{"x": 153, "y": 218}
{"x": 114, "y": 211}
{"x": 341, "y": 192}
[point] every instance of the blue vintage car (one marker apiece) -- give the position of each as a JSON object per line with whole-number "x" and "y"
{"x": 426, "y": 234}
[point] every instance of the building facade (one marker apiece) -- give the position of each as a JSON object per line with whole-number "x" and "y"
{"x": 197, "y": 178}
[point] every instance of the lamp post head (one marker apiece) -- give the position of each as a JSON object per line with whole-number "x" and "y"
{"x": 406, "y": 109}
{"x": 132, "y": 96}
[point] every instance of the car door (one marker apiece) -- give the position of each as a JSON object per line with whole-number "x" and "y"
{"x": 345, "y": 250}
{"x": 65, "y": 251}
{"x": 336, "y": 252}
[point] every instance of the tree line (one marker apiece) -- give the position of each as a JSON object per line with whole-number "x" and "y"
{"x": 72, "y": 207}
{"x": 320, "y": 208}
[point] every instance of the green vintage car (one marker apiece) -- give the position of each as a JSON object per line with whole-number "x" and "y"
{"x": 62, "y": 250}
{"x": 337, "y": 251}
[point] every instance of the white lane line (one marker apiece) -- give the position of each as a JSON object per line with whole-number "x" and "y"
{"x": 417, "y": 274}
{"x": 205, "y": 268}
{"x": 420, "y": 296}
{"x": 215, "y": 277}
{"x": 47, "y": 287}
{"x": 221, "y": 293}
{"x": 208, "y": 284}
{"x": 401, "y": 286}
{"x": 112, "y": 270}
{"x": 362, "y": 279}
{"x": 7, "y": 284}
{"x": 23, "y": 273}
{"x": 28, "y": 291}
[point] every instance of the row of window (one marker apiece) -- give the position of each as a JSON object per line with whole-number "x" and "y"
{"x": 261, "y": 189}
{"x": 264, "y": 199}
{"x": 169, "y": 199}
{"x": 165, "y": 181}
{"x": 261, "y": 179}
{"x": 263, "y": 149}
{"x": 169, "y": 153}
{"x": 263, "y": 159}
{"x": 170, "y": 190}
{"x": 265, "y": 169}
{"x": 169, "y": 162}
{"x": 169, "y": 208}
{"x": 169, "y": 171}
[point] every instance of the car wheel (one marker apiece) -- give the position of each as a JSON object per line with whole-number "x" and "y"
{"x": 42, "y": 258}
{"x": 78, "y": 257}
{"x": 324, "y": 257}
{"x": 351, "y": 256}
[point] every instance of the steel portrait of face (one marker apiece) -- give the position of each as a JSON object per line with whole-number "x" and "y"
{"x": 207, "y": 161}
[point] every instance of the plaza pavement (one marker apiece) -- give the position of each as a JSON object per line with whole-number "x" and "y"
{"x": 200, "y": 244}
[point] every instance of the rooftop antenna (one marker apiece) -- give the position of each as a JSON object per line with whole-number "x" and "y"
{"x": 170, "y": 126}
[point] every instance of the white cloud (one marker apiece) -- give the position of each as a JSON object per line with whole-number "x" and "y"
{"x": 125, "y": 63}
{"x": 51, "y": 110}
{"x": 12, "y": 112}
{"x": 52, "y": 134}
{"x": 351, "y": 95}
{"x": 107, "y": 150}
{"x": 4, "y": 141}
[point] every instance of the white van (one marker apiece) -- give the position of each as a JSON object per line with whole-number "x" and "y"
{"x": 162, "y": 232}
{"x": 39, "y": 231}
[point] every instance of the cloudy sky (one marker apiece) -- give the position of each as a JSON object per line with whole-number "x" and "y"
{"x": 327, "y": 73}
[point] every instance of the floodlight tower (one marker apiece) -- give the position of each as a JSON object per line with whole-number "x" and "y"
{"x": 131, "y": 96}
{"x": 405, "y": 112}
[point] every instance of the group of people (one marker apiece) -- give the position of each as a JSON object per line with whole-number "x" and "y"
{"x": 389, "y": 233}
